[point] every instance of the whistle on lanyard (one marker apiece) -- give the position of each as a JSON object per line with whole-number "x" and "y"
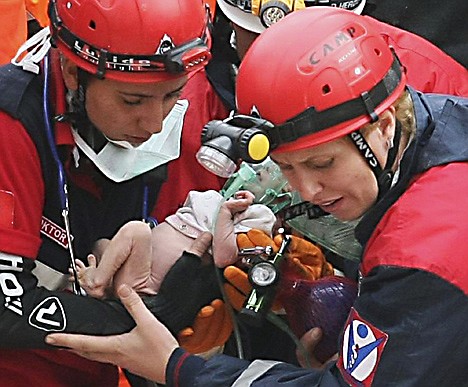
{"x": 264, "y": 277}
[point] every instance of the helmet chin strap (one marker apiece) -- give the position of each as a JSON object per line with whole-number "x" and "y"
{"x": 384, "y": 176}
{"x": 78, "y": 116}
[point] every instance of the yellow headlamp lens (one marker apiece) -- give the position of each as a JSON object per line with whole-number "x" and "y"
{"x": 258, "y": 147}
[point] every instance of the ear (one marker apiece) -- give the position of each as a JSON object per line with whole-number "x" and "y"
{"x": 387, "y": 125}
{"x": 69, "y": 73}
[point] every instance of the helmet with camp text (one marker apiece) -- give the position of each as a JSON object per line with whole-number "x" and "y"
{"x": 257, "y": 15}
{"x": 132, "y": 40}
{"x": 320, "y": 88}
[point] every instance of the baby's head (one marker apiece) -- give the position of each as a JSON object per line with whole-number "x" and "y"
{"x": 201, "y": 212}
{"x": 208, "y": 211}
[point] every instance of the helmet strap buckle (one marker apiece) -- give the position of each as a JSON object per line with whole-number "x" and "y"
{"x": 101, "y": 68}
{"x": 370, "y": 106}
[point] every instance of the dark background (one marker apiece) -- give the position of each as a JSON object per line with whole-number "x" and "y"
{"x": 443, "y": 22}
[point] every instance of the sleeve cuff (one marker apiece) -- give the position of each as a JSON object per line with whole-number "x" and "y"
{"x": 183, "y": 368}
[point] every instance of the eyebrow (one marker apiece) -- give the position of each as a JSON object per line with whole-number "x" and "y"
{"x": 135, "y": 95}
{"x": 179, "y": 88}
{"x": 130, "y": 94}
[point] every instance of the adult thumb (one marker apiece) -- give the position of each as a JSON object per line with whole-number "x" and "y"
{"x": 201, "y": 244}
{"x": 133, "y": 303}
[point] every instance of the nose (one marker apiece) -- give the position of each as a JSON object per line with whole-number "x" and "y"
{"x": 151, "y": 118}
{"x": 307, "y": 185}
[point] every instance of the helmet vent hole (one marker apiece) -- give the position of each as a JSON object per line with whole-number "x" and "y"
{"x": 377, "y": 51}
{"x": 92, "y": 24}
{"x": 326, "y": 89}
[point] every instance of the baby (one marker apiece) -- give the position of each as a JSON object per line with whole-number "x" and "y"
{"x": 140, "y": 256}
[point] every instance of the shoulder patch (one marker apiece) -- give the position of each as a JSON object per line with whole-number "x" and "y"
{"x": 55, "y": 232}
{"x": 7, "y": 209}
{"x": 49, "y": 316}
{"x": 361, "y": 350}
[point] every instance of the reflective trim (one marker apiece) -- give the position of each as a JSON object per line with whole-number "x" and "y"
{"x": 11, "y": 262}
{"x": 253, "y": 372}
{"x": 49, "y": 278}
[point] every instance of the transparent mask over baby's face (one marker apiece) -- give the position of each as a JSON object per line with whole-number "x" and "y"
{"x": 264, "y": 180}
{"x": 268, "y": 178}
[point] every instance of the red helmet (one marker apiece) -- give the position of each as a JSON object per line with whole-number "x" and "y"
{"x": 132, "y": 40}
{"x": 318, "y": 75}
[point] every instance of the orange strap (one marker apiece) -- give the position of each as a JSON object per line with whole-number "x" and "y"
{"x": 123, "y": 381}
{"x": 13, "y": 28}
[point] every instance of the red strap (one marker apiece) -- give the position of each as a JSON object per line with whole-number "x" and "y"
{"x": 7, "y": 209}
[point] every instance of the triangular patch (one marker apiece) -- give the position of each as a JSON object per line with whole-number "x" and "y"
{"x": 361, "y": 351}
{"x": 49, "y": 315}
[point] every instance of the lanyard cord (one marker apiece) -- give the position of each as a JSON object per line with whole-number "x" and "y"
{"x": 62, "y": 182}
{"x": 144, "y": 210}
{"x": 145, "y": 213}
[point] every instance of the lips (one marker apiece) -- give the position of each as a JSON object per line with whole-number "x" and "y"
{"x": 137, "y": 140}
{"x": 330, "y": 205}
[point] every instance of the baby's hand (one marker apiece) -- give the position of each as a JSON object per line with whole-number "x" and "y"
{"x": 240, "y": 202}
{"x": 87, "y": 277}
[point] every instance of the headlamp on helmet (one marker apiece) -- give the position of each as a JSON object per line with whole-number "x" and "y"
{"x": 88, "y": 33}
{"x": 251, "y": 139}
{"x": 225, "y": 143}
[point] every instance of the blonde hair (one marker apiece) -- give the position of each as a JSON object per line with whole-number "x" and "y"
{"x": 404, "y": 113}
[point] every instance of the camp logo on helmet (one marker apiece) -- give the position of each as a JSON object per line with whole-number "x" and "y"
{"x": 344, "y": 36}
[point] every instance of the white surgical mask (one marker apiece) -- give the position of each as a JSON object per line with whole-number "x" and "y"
{"x": 121, "y": 161}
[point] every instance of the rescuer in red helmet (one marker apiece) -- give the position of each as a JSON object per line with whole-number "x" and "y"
{"x": 355, "y": 140}
{"x": 427, "y": 68}
{"x": 86, "y": 129}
